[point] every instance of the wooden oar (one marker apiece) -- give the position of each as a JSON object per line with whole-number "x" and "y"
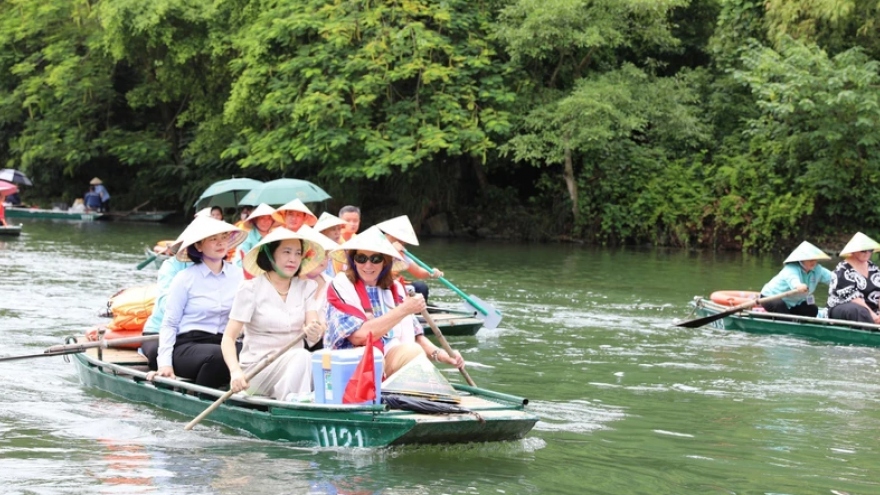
{"x": 736, "y": 309}
{"x": 443, "y": 342}
{"x": 491, "y": 317}
{"x": 60, "y": 350}
{"x": 247, "y": 376}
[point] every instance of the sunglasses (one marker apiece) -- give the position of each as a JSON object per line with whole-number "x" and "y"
{"x": 376, "y": 259}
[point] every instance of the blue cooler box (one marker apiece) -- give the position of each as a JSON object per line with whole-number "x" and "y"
{"x": 331, "y": 370}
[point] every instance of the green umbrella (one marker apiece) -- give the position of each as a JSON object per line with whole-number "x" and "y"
{"x": 226, "y": 193}
{"x": 281, "y": 191}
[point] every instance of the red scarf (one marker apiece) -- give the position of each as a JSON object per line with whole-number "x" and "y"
{"x": 366, "y": 311}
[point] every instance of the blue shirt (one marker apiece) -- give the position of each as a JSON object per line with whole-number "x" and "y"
{"x": 170, "y": 267}
{"x": 253, "y": 238}
{"x": 92, "y": 200}
{"x": 100, "y": 189}
{"x": 198, "y": 299}
{"x": 791, "y": 275}
{"x": 341, "y": 325}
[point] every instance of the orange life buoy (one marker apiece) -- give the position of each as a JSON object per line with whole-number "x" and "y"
{"x": 733, "y": 297}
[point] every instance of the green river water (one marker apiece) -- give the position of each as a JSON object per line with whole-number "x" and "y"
{"x": 628, "y": 403}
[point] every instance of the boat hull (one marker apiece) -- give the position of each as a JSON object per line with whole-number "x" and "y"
{"x": 452, "y": 323}
{"x": 10, "y": 231}
{"x": 823, "y": 329}
{"x": 501, "y": 418}
{"x": 40, "y": 214}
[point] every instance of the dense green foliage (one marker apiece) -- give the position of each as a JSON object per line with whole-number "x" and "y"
{"x": 722, "y": 123}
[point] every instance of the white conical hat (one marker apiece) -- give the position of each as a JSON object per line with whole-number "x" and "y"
{"x": 312, "y": 251}
{"x": 859, "y": 242}
{"x": 400, "y": 228}
{"x": 320, "y": 239}
{"x": 295, "y": 205}
{"x": 204, "y": 212}
{"x": 806, "y": 252}
{"x": 203, "y": 227}
{"x": 262, "y": 210}
{"x": 96, "y": 181}
{"x": 327, "y": 221}
{"x": 371, "y": 239}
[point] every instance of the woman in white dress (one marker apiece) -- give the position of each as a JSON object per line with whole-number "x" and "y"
{"x": 272, "y": 309}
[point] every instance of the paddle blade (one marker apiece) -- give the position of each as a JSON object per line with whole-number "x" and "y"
{"x": 490, "y": 320}
{"x": 707, "y": 319}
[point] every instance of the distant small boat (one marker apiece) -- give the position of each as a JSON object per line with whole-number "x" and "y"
{"x": 139, "y": 216}
{"x": 10, "y": 230}
{"x": 42, "y": 214}
{"x": 452, "y": 322}
{"x": 153, "y": 257}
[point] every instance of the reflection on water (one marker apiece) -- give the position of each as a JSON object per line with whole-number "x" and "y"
{"x": 627, "y": 403}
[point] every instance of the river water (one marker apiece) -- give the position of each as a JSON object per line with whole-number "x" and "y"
{"x": 628, "y": 403}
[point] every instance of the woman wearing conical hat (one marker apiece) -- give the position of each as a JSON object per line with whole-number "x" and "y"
{"x": 272, "y": 309}
{"x": 198, "y": 304}
{"x": 365, "y": 302}
{"x": 854, "y": 291}
{"x": 399, "y": 230}
{"x": 260, "y": 222}
{"x": 802, "y": 271}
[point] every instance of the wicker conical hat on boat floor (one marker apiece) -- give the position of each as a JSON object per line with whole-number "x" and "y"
{"x": 422, "y": 379}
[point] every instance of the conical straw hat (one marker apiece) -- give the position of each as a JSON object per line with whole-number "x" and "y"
{"x": 371, "y": 239}
{"x": 400, "y": 228}
{"x": 327, "y": 221}
{"x": 859, "y": 242}
{"x": 263, "y": 210}
{"x": 204, "y": 212}
{"x": 320, "y": 239}
{"x": 806, "y": 252}
{"x": 295, "y": 205}
{"x": 313, "y": 252}
{"x": 203, "y": 227}
{"x": 96, "y": 181}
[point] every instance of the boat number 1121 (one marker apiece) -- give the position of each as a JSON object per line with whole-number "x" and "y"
{"x": 340, "y": 437}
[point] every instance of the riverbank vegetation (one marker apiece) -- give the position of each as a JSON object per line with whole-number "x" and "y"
{"x": 745, "y": 124}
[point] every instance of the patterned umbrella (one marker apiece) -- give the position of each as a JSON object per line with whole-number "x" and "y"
{"x": 15, "y": 177}
{"x": 281, "y": 191}
{"x": 6, "y": 188}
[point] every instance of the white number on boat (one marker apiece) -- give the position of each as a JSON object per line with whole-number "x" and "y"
{"x": 341, "y": 437}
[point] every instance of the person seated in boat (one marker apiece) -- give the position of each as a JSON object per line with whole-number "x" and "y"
{"x": 330, "y": 226}
{"x": 13, "y": 200}
{"x": 243, "y": 216}
{"x": 294, "y": 215}
{"x": 351, "y": 215}
{"x": 198, "y": 304}
{"x": 316, "y": 270}
{"x": 92, "y": 199}
{"x": 217, "y": 213}
{"x": 272, "y": 309}
{"x": 802, "y": 271}
{"x": 366, "y": 302}
{"x": 399, "y": 230}
{"x": 3, "y": 211}
{"x": 258, "y": 224}
{"x": 854, "y": 291}
{"x": 102, "y": 191}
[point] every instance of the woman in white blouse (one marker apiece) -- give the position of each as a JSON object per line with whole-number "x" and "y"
{"x": 272, "y": 309}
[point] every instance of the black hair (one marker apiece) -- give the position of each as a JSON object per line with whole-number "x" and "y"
{"x": 216, "y": 208}
{"x": 263, "y": 258}
{"x": 194, "y": 254}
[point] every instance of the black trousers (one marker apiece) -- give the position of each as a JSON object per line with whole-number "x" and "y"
{"x": 196, "y": 356}
{"x": 802, "y": 309}
{"x": 852, "y": 312}
{"x": 421, "y": 288}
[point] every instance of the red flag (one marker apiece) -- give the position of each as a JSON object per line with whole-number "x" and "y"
{"x": 362, "y": 385}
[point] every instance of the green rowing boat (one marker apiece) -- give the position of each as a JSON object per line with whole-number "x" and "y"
{"x": 41, "y": 214}
{"x": 494, "y": 416}
{"x": 10, "y": 230}
{"x": 452, "y": 322}
{"x": 824, "y": 329}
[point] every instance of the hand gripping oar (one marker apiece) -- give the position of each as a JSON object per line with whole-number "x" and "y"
{"x": 247, "y": 376}
{"x": 491, "y": 317}
{"x": 736, "y": 309}
{"x": 60, "y": 350}
{"x": 443, "y": 342}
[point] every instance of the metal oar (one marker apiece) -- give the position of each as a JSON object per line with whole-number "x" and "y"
{"x": 491, "y": 317}
{"x": 60, "y": 350}
{"x": 736, "y": 309}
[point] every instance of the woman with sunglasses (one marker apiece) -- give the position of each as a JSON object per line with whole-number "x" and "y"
{"x": 365, "y": 302}
{"x": 854, "y": 291}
